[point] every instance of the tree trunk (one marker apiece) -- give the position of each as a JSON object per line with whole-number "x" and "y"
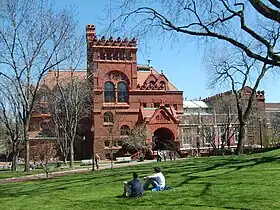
{"x": 14, "y": 161}
{"x": 72, "y": 155}
{"x": 65, "y": 160}
{"x": 241, "y": 137}
{"x": 27, "y": 155}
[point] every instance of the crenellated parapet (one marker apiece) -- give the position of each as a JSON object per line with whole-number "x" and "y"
{"x": 111, "y": 42}
{"x": 260, "y": 95}
{"x": 109, "y": 49}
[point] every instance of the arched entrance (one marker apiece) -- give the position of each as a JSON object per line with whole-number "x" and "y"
{"x": 163, "y": 139}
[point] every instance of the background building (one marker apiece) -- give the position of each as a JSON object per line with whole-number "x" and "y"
{"x": 126, "y": 94}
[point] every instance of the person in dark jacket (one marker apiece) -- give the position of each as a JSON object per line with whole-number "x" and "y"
{"x": 133, "y": 188}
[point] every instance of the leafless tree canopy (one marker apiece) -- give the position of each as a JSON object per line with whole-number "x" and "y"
{"x": 71, "y": 103}
{"x": 275, "y": 124}
{"x": 11, "y": 124}
{"x": 34, "y": 38}
{"x": 137, "y": 139}
{"x": 252, "y": 26}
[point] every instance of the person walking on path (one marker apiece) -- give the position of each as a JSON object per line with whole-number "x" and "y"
{"x": 97, "y": 159}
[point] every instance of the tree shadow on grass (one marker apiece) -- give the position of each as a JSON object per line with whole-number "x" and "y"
{"x": 230, "y": 163}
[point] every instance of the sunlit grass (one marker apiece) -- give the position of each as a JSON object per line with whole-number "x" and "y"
{"x": 245, "y": 182}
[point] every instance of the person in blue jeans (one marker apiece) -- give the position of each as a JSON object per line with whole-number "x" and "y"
{"x": 133, "y": 188}
{"x": 157, "y": 180}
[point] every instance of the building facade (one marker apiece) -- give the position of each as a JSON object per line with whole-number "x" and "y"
{"x": 126, "y": 93}
{"x": 213, "y": 122}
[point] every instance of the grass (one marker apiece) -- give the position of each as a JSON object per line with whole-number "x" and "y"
{"x": 244, "y": 182}
{"x": 20, "y": 170}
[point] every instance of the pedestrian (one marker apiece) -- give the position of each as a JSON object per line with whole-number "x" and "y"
{"x": 164, "y": 156}
{"x": 133, "y": 188}
{"x": 159, "y": 156}
{"x": 170, "y": 155}
{"x": 97, "y": 159}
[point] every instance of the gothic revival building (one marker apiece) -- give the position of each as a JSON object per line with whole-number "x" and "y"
{"x": 126, "y": 94}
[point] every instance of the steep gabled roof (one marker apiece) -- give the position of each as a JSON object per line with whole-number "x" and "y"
{"x": 143, "y": 72}
{"x": 62, "y": 77}
{"x": 150, "y": 114}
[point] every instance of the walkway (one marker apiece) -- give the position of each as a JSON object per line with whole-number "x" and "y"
{"x": 80, "y": 170}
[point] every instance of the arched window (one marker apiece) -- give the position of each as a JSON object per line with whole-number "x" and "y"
{"x": 109, "y": 93}
{"x": 122, "y": 92}
{"x": 152, "y": 83}
{"x": 162, "y": 85}
{"x": 125, "y": 130}
{"x": 108, "y": 117}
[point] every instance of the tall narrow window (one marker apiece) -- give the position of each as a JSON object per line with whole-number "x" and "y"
{"x": 122, "y": 92}
{"x": 108, "y": 117}
{"x": 109, "y": 93}
{"x": 124, "y": 130}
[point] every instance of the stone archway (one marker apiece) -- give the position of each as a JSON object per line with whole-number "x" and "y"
{"x": 163, "y": 139}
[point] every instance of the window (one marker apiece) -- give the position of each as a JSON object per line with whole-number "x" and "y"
{"x": 116, "y": 87}
{"x": 107, "y": 143}
{"x": 108, "y": 117}
{"x": 109, "y": 93}
{"x": 125, "y": 130}
{"x": 236, "y": 137}
{"x": 102, "y": 55}
{"x": 44, "y": 98}
{"x": 109, "y": 56}
{"x": 116, "y": 56}
{"x": 122, "y": 92}
{"x": 44, "y": 110}
{"x": 162, "y": 85}
{"x": 187, "y": 136}
{"x": 151, "y": 84}
{"x": 156, "y": 105}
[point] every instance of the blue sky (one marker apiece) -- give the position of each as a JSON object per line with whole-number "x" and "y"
{"x": 182, "y": 63}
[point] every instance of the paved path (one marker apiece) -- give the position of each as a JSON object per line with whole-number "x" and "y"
{"x": 61, "y": 173}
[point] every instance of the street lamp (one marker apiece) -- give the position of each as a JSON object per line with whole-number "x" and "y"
{"x": 84, "y": 141}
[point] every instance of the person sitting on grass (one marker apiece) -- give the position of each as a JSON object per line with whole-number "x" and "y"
{"x": 133, "y": 188}
{"x": 157, "y": 180}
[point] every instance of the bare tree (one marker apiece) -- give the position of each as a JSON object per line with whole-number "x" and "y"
{"x": 34, "y": 38}
{"x": 44, "y": 152}
{"x": 229, "y": 21}
{"x": 137, "y": 140}
{"x": 238, "y": 70}
{"x": 275, "y": 125}
{"x": 5, "y": 148}
{"x": 71, "y": 104}
{"x": 10, "y": 121}
{"x": 218, "y": 20}
{"x": 225, "y": 111}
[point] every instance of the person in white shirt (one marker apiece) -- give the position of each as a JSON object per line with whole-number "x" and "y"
{"x": 157, "y": 180}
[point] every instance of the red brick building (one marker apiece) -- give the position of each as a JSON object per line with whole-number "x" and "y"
{"x": 126, "y": 94}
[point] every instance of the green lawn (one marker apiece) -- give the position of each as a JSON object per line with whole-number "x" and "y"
{"x": 246, "y": 182}
{"x": 53, "y": 168}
